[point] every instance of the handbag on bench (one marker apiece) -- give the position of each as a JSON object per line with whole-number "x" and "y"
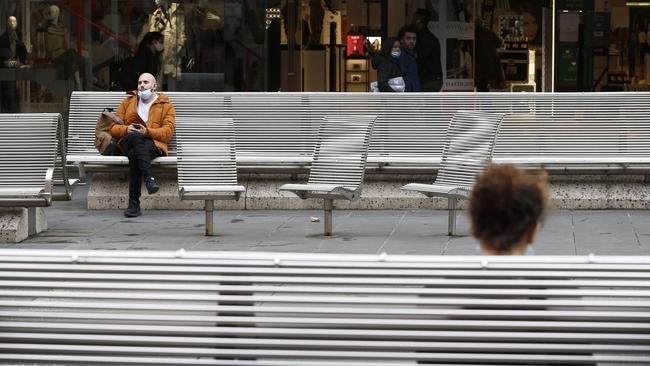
{"x": 105, "y": 143}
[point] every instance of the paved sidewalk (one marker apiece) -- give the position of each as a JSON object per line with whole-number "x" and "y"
{"x": 565, "y": 232}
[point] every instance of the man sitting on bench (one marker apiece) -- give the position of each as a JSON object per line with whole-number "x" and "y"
{"x": 149, "y": 122}
{"x": 506, "y": 209}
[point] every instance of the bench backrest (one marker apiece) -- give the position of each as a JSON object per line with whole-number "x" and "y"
{"x": 206, "y": 151}
{"x": 410, "y": 125}
{"x": 342, "y": 150}
{"x": 593, "y": 125}
{"x": 469, "y": 146}
{"x": 85, "y": 107}
{"x": 28, "y": 148}
{"x": 280, "y": 309}
{"x": 410, "y": 128}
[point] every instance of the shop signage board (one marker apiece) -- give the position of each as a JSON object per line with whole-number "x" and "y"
{"x": 455, "y": 31}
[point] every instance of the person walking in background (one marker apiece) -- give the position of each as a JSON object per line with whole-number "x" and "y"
{"x": 428, "y": 53}
{"x": 506, "y": 208}
{"x": 489, "y": 73}
{"x": 146, "y": 60}
{"x": 408, "y": 60}
{"x": 387, "y": 64}
{"x": 149, "y": 123}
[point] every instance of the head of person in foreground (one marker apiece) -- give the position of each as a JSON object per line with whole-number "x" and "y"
{"x": 506, "y": 209}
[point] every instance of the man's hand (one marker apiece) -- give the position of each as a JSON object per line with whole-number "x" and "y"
{"x": 137, "y": 128}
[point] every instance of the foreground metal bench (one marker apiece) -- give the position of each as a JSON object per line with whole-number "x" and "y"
{"x": 339, "y": 163}
{"x": 28, "y": 151}
{"x": 206, "y": 163}
{"x": 279, "y": 309}
{"x": 468, "y": 149}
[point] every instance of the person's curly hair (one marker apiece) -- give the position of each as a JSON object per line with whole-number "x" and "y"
{"x": 505, "y": 207}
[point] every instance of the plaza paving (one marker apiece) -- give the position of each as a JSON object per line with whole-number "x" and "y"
{"x": 565, "y": 232}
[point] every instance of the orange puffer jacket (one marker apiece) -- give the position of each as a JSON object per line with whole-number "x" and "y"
{"x": 161, "y": 122}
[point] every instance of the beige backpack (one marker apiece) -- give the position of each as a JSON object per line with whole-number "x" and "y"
{"x": 104, "y": 142}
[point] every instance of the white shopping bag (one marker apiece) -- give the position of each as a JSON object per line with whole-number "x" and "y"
{"x": 397, "y": 84}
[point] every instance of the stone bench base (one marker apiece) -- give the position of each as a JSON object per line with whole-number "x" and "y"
{"x": 14, "y": 226}
{"x": 380, "y": 192}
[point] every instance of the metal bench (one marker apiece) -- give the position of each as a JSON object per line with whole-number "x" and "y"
{"x": 469, "y": 146}
{"x": 562, "y": 131}
{"x": 284, "y": 309}
{"x": 85, "y": 107}
{"x": 28, "y": 153}
{"x": 339, "y": 162}
{"x": 207, "y": 169}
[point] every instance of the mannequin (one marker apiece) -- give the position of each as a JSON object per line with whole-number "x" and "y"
{"x": 52, "y": 45}
{"x": 168, "y": 19}
{"x": 13, "y": 49}
{"x": 52, "y": 38}
{"x": 12, "y": 55}
{"x": 204, "y": 43}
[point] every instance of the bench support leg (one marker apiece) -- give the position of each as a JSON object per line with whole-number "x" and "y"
{"x": 209, "y": 216}
{"x": 451, "y": 228}
{"x": 31, "y": 221}
{"x": 327, "y": 207}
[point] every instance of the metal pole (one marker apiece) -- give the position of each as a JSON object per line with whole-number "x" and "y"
{"x": 452, "y": 216}
{"x": 327, "y": 206}
{"x": 209, "y": 223}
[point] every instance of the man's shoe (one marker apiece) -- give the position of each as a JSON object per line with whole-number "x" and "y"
{"x": 152, "y": 186}
{"x": 132, "y": 211}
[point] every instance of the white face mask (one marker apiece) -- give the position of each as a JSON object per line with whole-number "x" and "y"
{"x": 145, "y": 94}
{"x": 159, "y": 46}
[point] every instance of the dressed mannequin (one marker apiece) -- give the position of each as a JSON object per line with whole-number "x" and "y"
{"x": 12, "y": 55}
{"x": 204, "y": 42}
{"x": 53, "y": 45}
{"x": 12, "y": 47}
{"x": 168, "y": 19}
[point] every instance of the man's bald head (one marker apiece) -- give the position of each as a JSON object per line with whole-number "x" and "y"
{"x": 146, "y": 81}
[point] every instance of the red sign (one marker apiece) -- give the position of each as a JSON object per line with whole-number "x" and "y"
{"x": 355, "y": 46}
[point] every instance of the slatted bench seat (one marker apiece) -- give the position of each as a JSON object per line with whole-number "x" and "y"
{"x": 207, "y": 169}
{"x": 339, "y": 163}
{"x": 29, "y": 144}
{"x": 278, "y": 309}
{"x": 468, "y": 150}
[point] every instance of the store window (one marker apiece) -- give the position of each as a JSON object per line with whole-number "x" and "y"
{"x": 50, "y": 48}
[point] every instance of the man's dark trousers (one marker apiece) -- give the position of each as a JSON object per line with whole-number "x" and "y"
{"x": 140, "y": 150}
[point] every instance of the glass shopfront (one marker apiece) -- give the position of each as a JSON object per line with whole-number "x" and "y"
{"x": 50, "y": 48}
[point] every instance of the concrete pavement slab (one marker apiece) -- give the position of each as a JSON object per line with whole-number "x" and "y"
{"x": 565, "y": 232}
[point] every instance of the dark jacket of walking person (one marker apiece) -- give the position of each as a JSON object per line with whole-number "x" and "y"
{"x": 489, "y": 72}
{"x": 428, "y": 54}
{"x": 408, "y": 60}
{"x": 387, "y": 64}
{"x": 146, "y": 60}
{"x": 149, "y": 123}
